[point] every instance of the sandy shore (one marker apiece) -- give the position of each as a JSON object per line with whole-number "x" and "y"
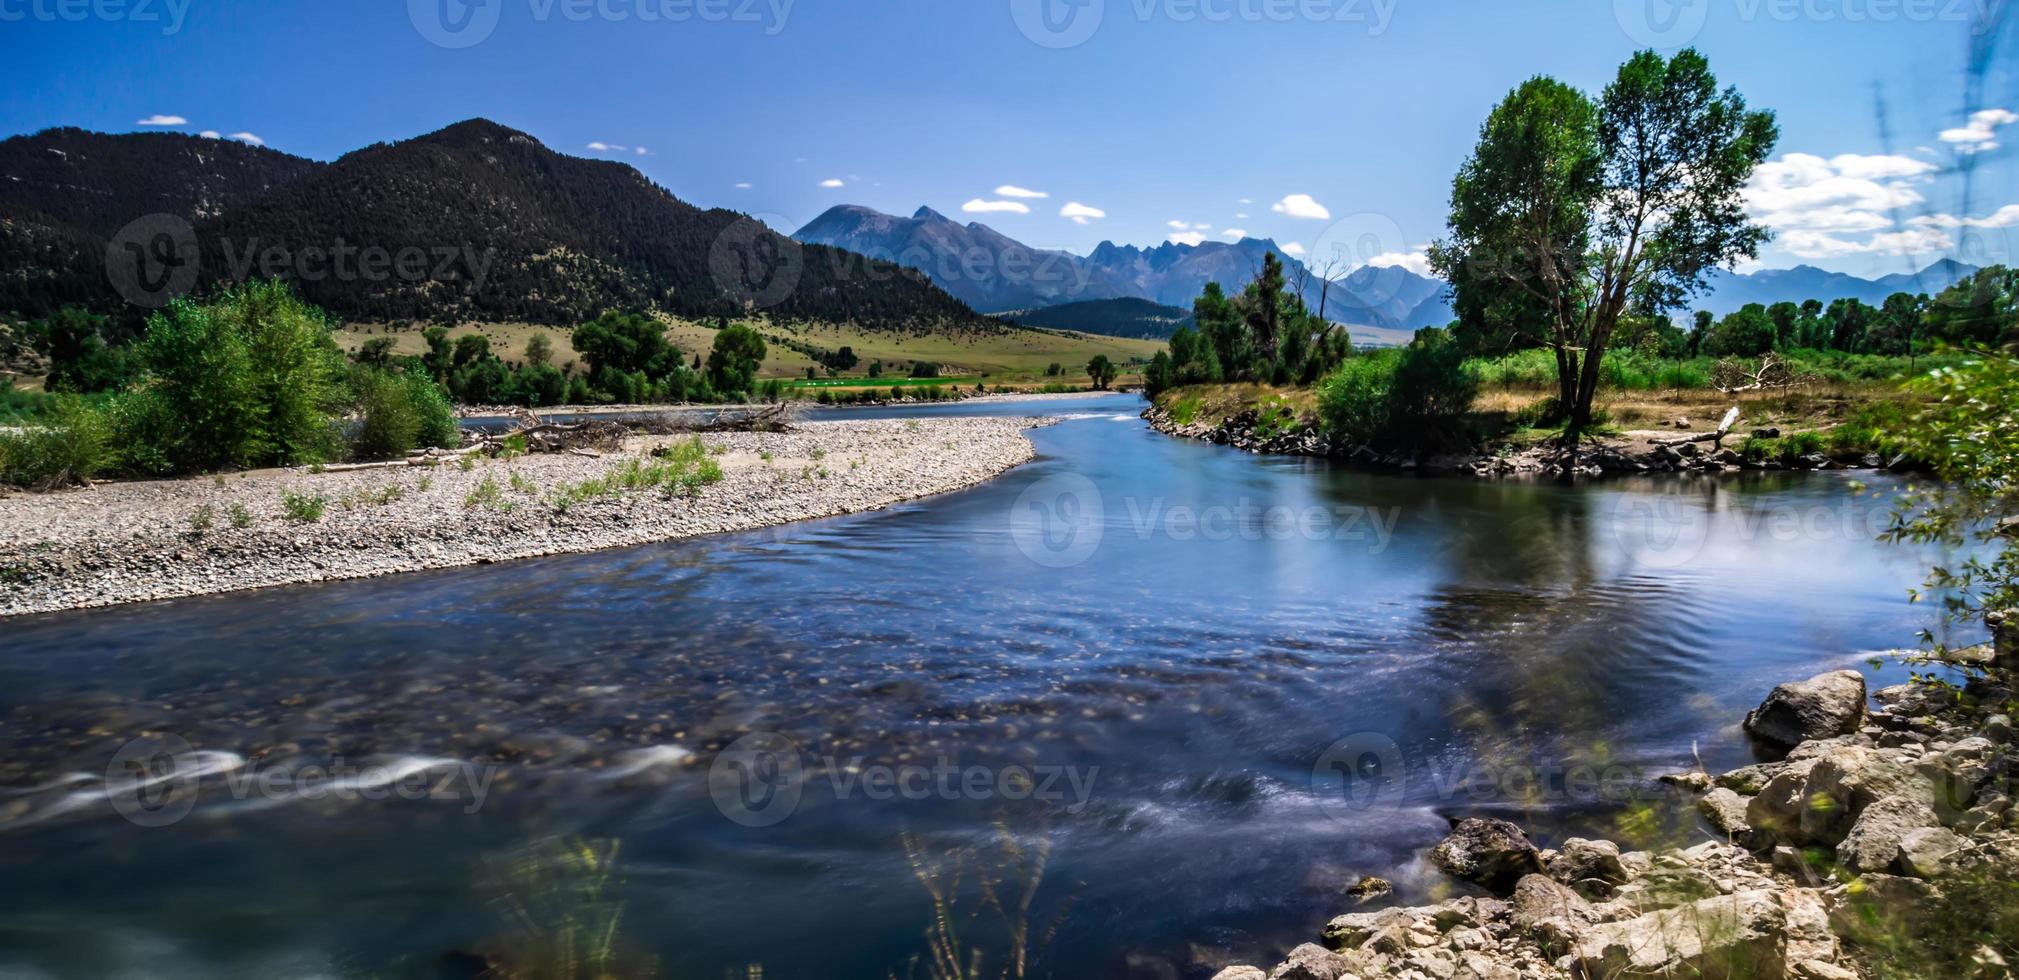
{"x": 132, "y": 542}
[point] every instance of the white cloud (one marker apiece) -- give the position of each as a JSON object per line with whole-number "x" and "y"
{"x": 601, "y": 147}
{"x": 1188, "y": 238}
{"x": 1294, "y": 249}
{"x": 160, "y": 120}
{"x": 1234, "y": 233}
{"x": 1981, "y": 132}
{"x": 211, "y": 134}
{"x": 832, "y": 182}
{"x": 248, "y": 138}
{"x": 979, "y": 206}
{"x": 1417, "y": 261}
{"x": 1301, "y": 206}
{"x": 1012, "y": 190}
{"x": 641, "y": 151}
{"x": 1241, "y": 217}
{"x": 1081, "y": 214}
{"x": 743, "y": 185}
{"x": 1179, "y": 225}
{"x": 1245, "y": 201}
{"x": 1843, "y": 195}
{"x": 1201, "y": 226}
{"x": 2005, "y": 217}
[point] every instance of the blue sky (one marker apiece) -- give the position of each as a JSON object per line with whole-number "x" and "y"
{"x": 1328, "y": 123}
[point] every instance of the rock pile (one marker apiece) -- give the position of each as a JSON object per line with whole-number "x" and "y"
{"x": 1849, "y": 841}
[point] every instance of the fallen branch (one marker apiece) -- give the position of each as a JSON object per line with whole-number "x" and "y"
{"x": 1731, "y": 376}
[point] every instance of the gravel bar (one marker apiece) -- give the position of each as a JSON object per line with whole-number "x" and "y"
{"x": 140, "y": 541}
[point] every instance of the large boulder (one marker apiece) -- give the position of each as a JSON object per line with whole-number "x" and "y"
{"x": 1313, "y": 962}
{"x": 1849, "y": 778}
{"x": 1590, "y": 866}
{"x": 1933, "y": 852}
{"x": 1488, "y": 852}
{"x": 1549, "y": 911}
{"x": 1726, "y": 811}
{"x": 1824, "y": 706}
{"x": 1726, "y": 936}
{"x": 1240, "y": 973}
{"x": 1874, "y": 841}
{"x": 1777, "y": 809}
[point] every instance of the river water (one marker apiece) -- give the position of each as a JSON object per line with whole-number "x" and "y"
{"x": 1164, "y": 699}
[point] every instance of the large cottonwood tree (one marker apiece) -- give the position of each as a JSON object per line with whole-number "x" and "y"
{"x": 1588, "y": 211}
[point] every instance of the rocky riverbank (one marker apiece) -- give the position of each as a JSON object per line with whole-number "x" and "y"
{"x": 130, "y": 542}
{"x": 1875, "y": 842}
{"x": 1630, "y": 452}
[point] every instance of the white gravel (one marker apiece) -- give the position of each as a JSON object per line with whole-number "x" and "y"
{"x": 132, "y": 542}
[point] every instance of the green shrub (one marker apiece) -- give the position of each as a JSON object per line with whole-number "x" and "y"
{"x": 303, "y": 508}
{"x": 71, "y": 444}
{"x": 239, "y": 515}
{"x": 1354, "y": 400}
{"x": 250, "y": 380}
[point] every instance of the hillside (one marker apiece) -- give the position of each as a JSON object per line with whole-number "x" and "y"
{"x": 1108, "y": 317}
{"x": 65, "y": 192}
{"x": 514, "y": 231}
{"x": 475, "y": 221}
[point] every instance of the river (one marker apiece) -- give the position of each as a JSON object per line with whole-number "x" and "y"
{"x": 1178, "y": 696}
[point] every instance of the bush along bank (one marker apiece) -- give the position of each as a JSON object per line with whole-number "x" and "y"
{"x": 1279, "y": 430}
{"x": 1874, "y": 843}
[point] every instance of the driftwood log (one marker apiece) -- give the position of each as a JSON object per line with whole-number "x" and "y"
{"x": 1716, "y": 438}
{"x": 589, "y": 437}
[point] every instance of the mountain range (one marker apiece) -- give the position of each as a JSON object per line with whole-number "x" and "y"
{"x": 476, "y": 221}
{"x": 995, "y": 273}
{"x": 1730, "y": 290}
{"x": 998, "y": 274}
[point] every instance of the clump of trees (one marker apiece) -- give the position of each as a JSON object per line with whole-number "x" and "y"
{"x": 253, "y": 378}
{"x": 1102, "y": 372}
{"x": 1980, "y": 312}
{"x": 1266, "y": 334}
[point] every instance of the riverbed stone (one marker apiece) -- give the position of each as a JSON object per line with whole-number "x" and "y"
{"x": 1823, "y": 706}
{"x": 1313, "y": 962}
{"x": 1739, "y": 935}
{"x": 1241, "y": 973}
{"x": 1550, "y": 911}
{"x": 1777, "y": 809}
{"x": 1489, "y": 852}
{"x": 1588, "y": 865}
{"x": 1874, "y": 841}
{"x": 1726, "y": 811}
{"x": 1933, "y": 852}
